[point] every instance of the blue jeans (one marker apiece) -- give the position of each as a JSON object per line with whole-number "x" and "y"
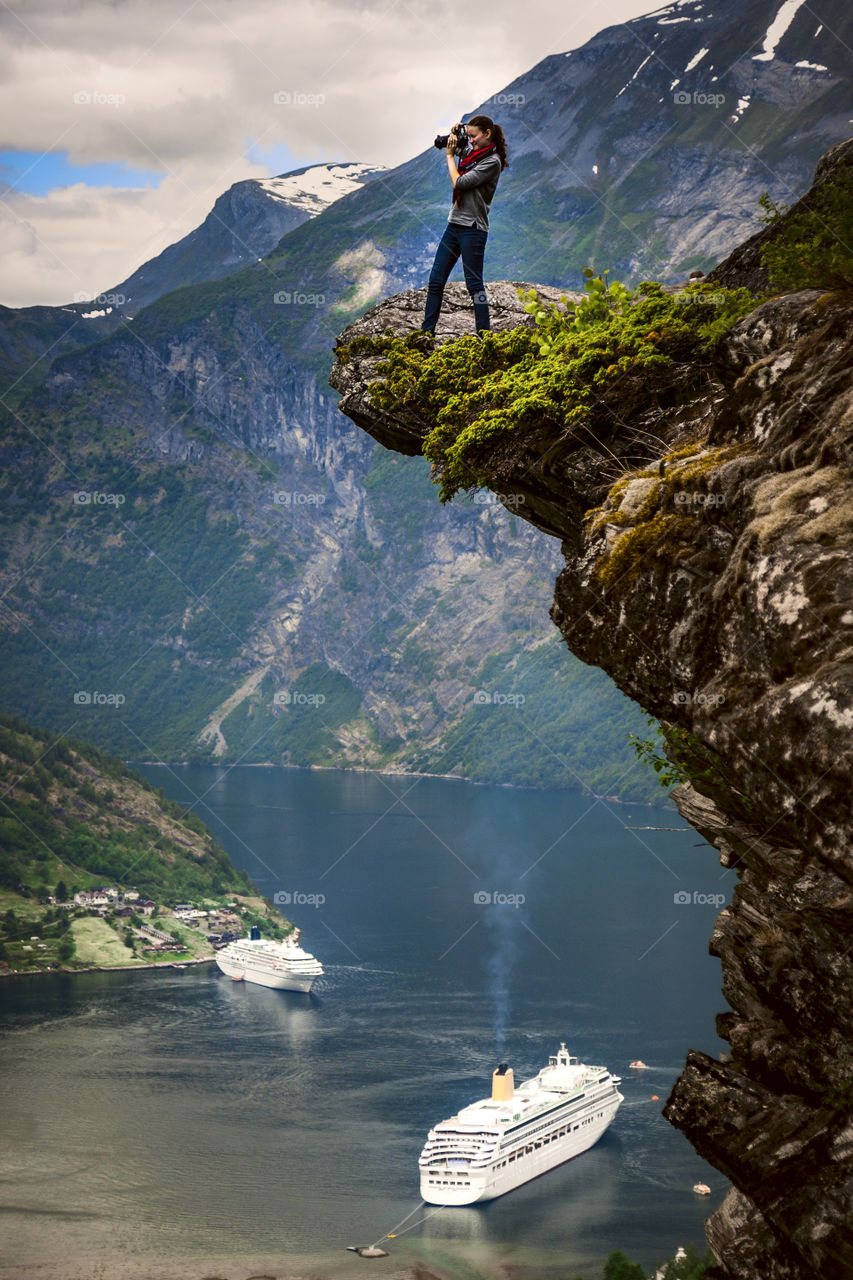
{"x": 470, "y": 243}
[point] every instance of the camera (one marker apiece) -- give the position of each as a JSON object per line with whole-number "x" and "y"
{"x": 442, "y": 139}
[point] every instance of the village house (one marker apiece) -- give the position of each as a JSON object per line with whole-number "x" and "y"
{"x": 102, "y": 897}
{"x": 188, "y": 914}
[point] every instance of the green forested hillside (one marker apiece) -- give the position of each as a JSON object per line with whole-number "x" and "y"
{"x": 555, "y": 723}
{"x": 73, "y": 819}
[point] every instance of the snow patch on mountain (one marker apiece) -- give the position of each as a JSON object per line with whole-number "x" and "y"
{"x": 777, "y": 29}
{"x": 695, "y": 60}
{"x": 633, "y": 77}
{"x": 315, "y": 188}
{"x": 742, "y": 104}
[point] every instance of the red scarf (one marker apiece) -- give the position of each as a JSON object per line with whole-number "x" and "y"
{"x": 468, "y": 162}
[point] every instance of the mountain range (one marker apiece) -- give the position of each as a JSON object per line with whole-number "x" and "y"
{"x": 189, "y": 525}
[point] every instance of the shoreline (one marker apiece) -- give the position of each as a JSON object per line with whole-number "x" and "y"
{"x": 65, "y": 972}
{"x": 219, "y": 1268}
{"x": 413, "y": 1261}
{"x": 666, "y": 804}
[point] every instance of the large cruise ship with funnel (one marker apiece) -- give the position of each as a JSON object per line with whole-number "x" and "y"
{"x": 499, "y": 1143}
{"x": 273, "y": 964}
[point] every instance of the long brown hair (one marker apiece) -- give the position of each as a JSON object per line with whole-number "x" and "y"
{"x": 498, "y": 138}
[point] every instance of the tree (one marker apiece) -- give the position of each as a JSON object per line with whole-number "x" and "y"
{"x": 619, "y": 1267}
{"x": 65, "y": 951}
{"x": 61, "y": 892}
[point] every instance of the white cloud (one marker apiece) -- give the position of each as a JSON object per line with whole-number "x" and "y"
{"x": 83, "y": 239}
{"x": 183, "y": 89}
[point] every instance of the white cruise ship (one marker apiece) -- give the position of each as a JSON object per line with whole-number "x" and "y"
{"x": 273, "y": 964}
{"x": 499, "y": 1143}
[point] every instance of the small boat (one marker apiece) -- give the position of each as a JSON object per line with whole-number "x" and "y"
{"x": 638, "y": 1065}
{"x": 367, "y": 1251}
{"x": 702, "y": 1189}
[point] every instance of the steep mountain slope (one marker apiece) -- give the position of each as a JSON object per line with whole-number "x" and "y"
{"x": 705, "y": 500}
{"x": 245, "y": 223}
{"x": 608, "y": 163}
{"x": 236, "y": 540}
{"x": 200, "y": 565}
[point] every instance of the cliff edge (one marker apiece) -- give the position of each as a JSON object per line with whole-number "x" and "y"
{"x": 707, "y": 521}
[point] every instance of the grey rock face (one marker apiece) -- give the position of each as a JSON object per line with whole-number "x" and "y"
{"x": 714, "y": 583}
{"x": 401, "y": 315}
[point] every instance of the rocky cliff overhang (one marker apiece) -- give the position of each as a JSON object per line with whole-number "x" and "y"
{"x": 713, "y": 581}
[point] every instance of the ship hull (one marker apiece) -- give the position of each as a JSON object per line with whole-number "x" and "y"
{"x": 279, "y": 981}
{"x": 455, "y": 1185}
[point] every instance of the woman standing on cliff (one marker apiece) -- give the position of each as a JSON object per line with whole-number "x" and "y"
{"x": 474, "y": 181}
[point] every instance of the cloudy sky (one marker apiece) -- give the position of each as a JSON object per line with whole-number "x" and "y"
{"x": 123, "y": 120}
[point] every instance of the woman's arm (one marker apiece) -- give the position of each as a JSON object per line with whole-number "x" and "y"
{"x": 452, "y": 143}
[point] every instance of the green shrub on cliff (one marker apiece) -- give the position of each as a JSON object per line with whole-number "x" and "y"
{"x": 555, "y": 378}
{"x": 813, "y": 248}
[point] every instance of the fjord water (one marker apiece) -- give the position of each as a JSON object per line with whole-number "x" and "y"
{"x": 177, "y": 1114}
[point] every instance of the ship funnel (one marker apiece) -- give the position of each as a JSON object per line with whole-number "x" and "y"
{"x": 503, "y": 1084}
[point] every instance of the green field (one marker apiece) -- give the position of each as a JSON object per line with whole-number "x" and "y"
{"x": 96, "y": 943}
{"x": 195, "y": 941}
